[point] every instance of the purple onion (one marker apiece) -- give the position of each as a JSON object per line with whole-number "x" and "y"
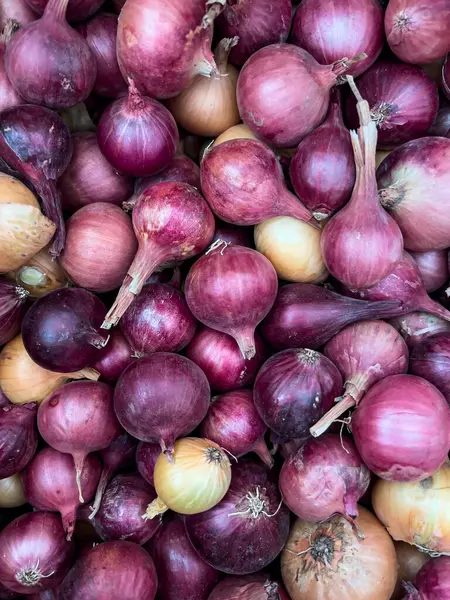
{"x": 430, "y": 359}
{"x": 433, "y": 267}
{"x": 17, "y": 10}
{"x": 233, "y": 234}
{"x": 13, "y": 300}
{"x": 114, "y": 358}
{"x": 417, "y": 326}
{"x": 146, "y": 457}
{"x": 249, "y": 587}
{"x": 432, "y": 581}
{"x": 441, "y": 124}
{"x": 77, "y": 10}
{"x": 18, "y": 437}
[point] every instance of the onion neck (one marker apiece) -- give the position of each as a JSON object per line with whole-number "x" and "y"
{"x": 346, "y": 402}
{"x": 68, "y": 518}
{"x": 86, "y": 373}
{"x": 135, "y": 100}
{"x": 94, "y": 338}
{"x": 51, "y": 205}
{"x": 78, "y": 459}
{"x": 104, "y": 479}
{"x": 260, "y": 448}
{"x": 350, "y": 506}
{"x": 291, "y": 206}
{"x": 222, "y": 53}
{"x": 246, "y": 342}
{"x": 56, "y": 10}
{"x": 428, "y": 305}
{"x": 155, "y": 508}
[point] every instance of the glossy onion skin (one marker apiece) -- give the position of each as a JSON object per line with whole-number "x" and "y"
{"x": 430, "y": 359}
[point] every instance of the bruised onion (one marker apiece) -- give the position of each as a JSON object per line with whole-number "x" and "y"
{"x": 114, "y": 358}
{"x": 417, "y": 326}
{"x": 146, "y": 457}
{"x": 13, "y": 300}
{"x": 18, "y": 437}
{"x": 433, "y": 267}
{"x": 430, "y": 359}
{"x": 248, "y": 587}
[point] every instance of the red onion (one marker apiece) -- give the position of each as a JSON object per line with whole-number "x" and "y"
{"x": 77, "y": 10}
{"x": 417, "y": 32}
{"x": 248, "y": 528}
{"x": 405, "y": 180}
{"x": 146, "y": 457}
{"x": 403, "y": 102}
{"x": 362, "y": 244}
{"x": 241, "y": 236}
{"x": 441, "y": 125}
{"x": 243, "y": 183}
{"x": 401, "y": 428}
{"x": 137, "y": 135}
{"x": 283, "y": 93}
{"x": 220, "y": 359}
{"x": 35, "y": 554}
{"x": 257, "y": 24}
{"x": 432, "y": 581}
{"x": 231, "y": 289}
{"x": 114, "y": 358}
{"x": 61, "y": 330}
{"x": 249, "y": 587}
{"x": 161, "y": 397}
{"x": 13, "y": 300}
{"x": 431, "y": 360}
{"x": 445, "y": 77}
{"x": 78, "y": 418}
{"x": 49, "y": 484}
{"x": 325, "y": 477}
{"x": 330, "y": 30}
{"x": 90, "y": 178}
{"x": 433, "y": 267}
{"x": 172, "y": 222}
{"x": 100, "y": 246}
{"x": 306, "y": 315}
{"x": 364, "y": 352}
{"x": 164, "y": 60}
{"x": 8, "y": 95}
{"x": 417, "y": 326}
{"x": 159, "y": 320}
{"x": 17, "y": 10}
{"x": 18, "y": 437}
{"x": 234, "y": 423}
{"x": 49, "y": 63}
{"x": 322, "y": 170}
{"x": 36, "y": 143}
{"x": 293, "y": 389}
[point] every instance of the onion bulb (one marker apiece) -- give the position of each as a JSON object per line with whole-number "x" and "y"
{"x": 410, "y": 560}
{"x": 208, "y": 106}
{"x": 195, "y": 480}
{"x": 40, "y": 274}
{"x": 293, "y": 248}
{"x": 236, "y": 132}
{"x": 11, "y": 492}
{"x": 416, "y": 512}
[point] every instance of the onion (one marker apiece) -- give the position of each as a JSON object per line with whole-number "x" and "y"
{"x": 40, "y": 275}
{"x": 13, "y": 305}
{"x": 90, "y": 178}
{"x": 62, "y": 81}
{"x": 417, "y": 32}
{"x": 233, "y": 234}
{"x": 11, "y": 492}
{"x": 293, "y": 248}
{"x": 181, "y": 571}
{"x": 364, "y": 352}
{"x": 362, "y": 244}
{"x": 307, "y": 315}
{"x": 77, "y": 10}
{"x": 403, "y": 102}
{"x": 193, "y": 481}
{"x": 433, "y": 267}
{"x": 49, "y": 484}
{"x": 8, "y": 95}
{"x": 137, "y": 134}
{"x": 329, "y": 31}
{"x": 158, "y": 321}
{"x": 36, "y": 143}
{"x": 18, "y": 438}
{"x": 430, "y": 359}
{"x": 117, "y": 568}
{"x": 100, "y": 246}
{"x": 225, "y": 280}
{"x": 78, "y": 419}
{"x": 236, "y": 132}
{"x": 416, "y": 512}
{"x": 114, "y": 358}
{"x": 248, "y": 587}
{"x": 234, "y": 423}
{"x": 17, "y": 10}
{"x": 275, "y": 91}
{"x": 248, "y": 528}
{"x": 161, "y": 397}
{"x": 445, "y": 77}
{"x": 401, "y": 428}
{"x": 418, "y": 197}
{"x": 410, "y": 560}
{"x": 172, "y": 222}
{"x": 417, "y": 326}
{"x": 327, "y": 561}
{"x": 146, "y": 457}
{"x": 441, "y": 125}
{"x": 35, "y": 554}
{"x": 432, "y": 581}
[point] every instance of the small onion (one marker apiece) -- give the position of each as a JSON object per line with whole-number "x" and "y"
{"x": 417, "y": 326}
{"x": 18, "y": 438}
{"x": 40, "y": 274}
{"x": 11, "y": 492}
{"x": 430, "y": 359}
{"x": 248, "y": 587}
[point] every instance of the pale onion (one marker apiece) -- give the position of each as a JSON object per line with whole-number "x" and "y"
{"x": 237, "y": 132}
{"x": 22, "y": 380}
{"x": 380, "y": 156}
{"x": 208, "y": 106}
{"x": 418, "y": 512}
{"x": 195, "y": 480}
{"x": 40, "y": 275}
{"x": 23, "y": 228}
{"x": 11, "y": 492}
{"x": 293, "y": 248}
{"x": 410, "y": 560}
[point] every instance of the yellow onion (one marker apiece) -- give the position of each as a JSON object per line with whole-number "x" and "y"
{"x": 40, "y": 274}
{"x": 22, "y": 380}
{"x": 11, "y": 492}
{"x": 410, "y": 560}
{"x": 195, "y": 480}
{"x": 293, "y": 247}
{"x": 23, "y": 228}
{"x": 418, "y": 512}
{"x": 236, "y": 132}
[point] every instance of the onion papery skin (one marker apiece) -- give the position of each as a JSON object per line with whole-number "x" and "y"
{"x": 361, "y": 568}
{"x": 234, "y": 423}
{"x": 433, "y": 267}
{"x": 137, "y": 135}
{"x": 8, "y": 95}
{"x": 18, "y": 438}
{"x": 248, "y": 587}
{"x": 417, "y": 32}
{"x": 49, "y": 484}
{"x": 36, "y": 555}
{"x": 416, "y": 195}
{"x": 181, "y": 571}
{"x": 13, "y": 300}
{"x": 65, "y": 80}
{"x": 403, "y": 102}
{"x": 330, "y": 31}
{"x": 146, "y": 457}
{"x": 17, "y": 10}
{"x": 114, "y": 358}
{"x": 161, "y": 397}
{"x": 217, "y": 288}
{"x": 431, "y": 360}
{"x": 77, "y": 10}
{"x": 100, "y": 247}
{"x": 88, "y": 166}
{"x": 248, "y": 541}
{"x": 432, "y": 581}
{"x": 243, "y": 183}
{"x": 219, "y": 357}
{"x": 418, "y": 326}
{"x": 441, "y": 125}
{"x": 401, "y": 428}
{"x": 110, "y": 571}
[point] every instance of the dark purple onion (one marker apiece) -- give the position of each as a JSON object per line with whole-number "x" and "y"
{"x": 445, "y": 78}
{"x": 77, "y": 10}
{"x": 13, "y": 300}
{"x": 146, "y": 457}
{"x": 433, "y": 267}
{"x": 241, "y": 236}
{"x": 417, "y": 326}
{"x": 18, "y": 437}
{"x": 430, "y": 359}
{"x": 249, "y": 587}
{"x": 248, "y": 528}
{"x": 114, "y": 358}
{"x": 441, "y": 125}
{"x": 432, "y": 581}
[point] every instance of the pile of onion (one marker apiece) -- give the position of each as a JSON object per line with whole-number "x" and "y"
{"x": 431, "y": 360}
{"x": 432, "y": 581}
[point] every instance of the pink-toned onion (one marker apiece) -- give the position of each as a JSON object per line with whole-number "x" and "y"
{"x": 77, "y": 10}
{"x": 433, "y": 267}
{"x": 430, "y": 359}
{"x": 18, "y": 437}
{"x": 414, "y": 327}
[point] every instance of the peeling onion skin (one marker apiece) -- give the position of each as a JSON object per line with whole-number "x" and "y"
{"x": 18, "y": 10}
